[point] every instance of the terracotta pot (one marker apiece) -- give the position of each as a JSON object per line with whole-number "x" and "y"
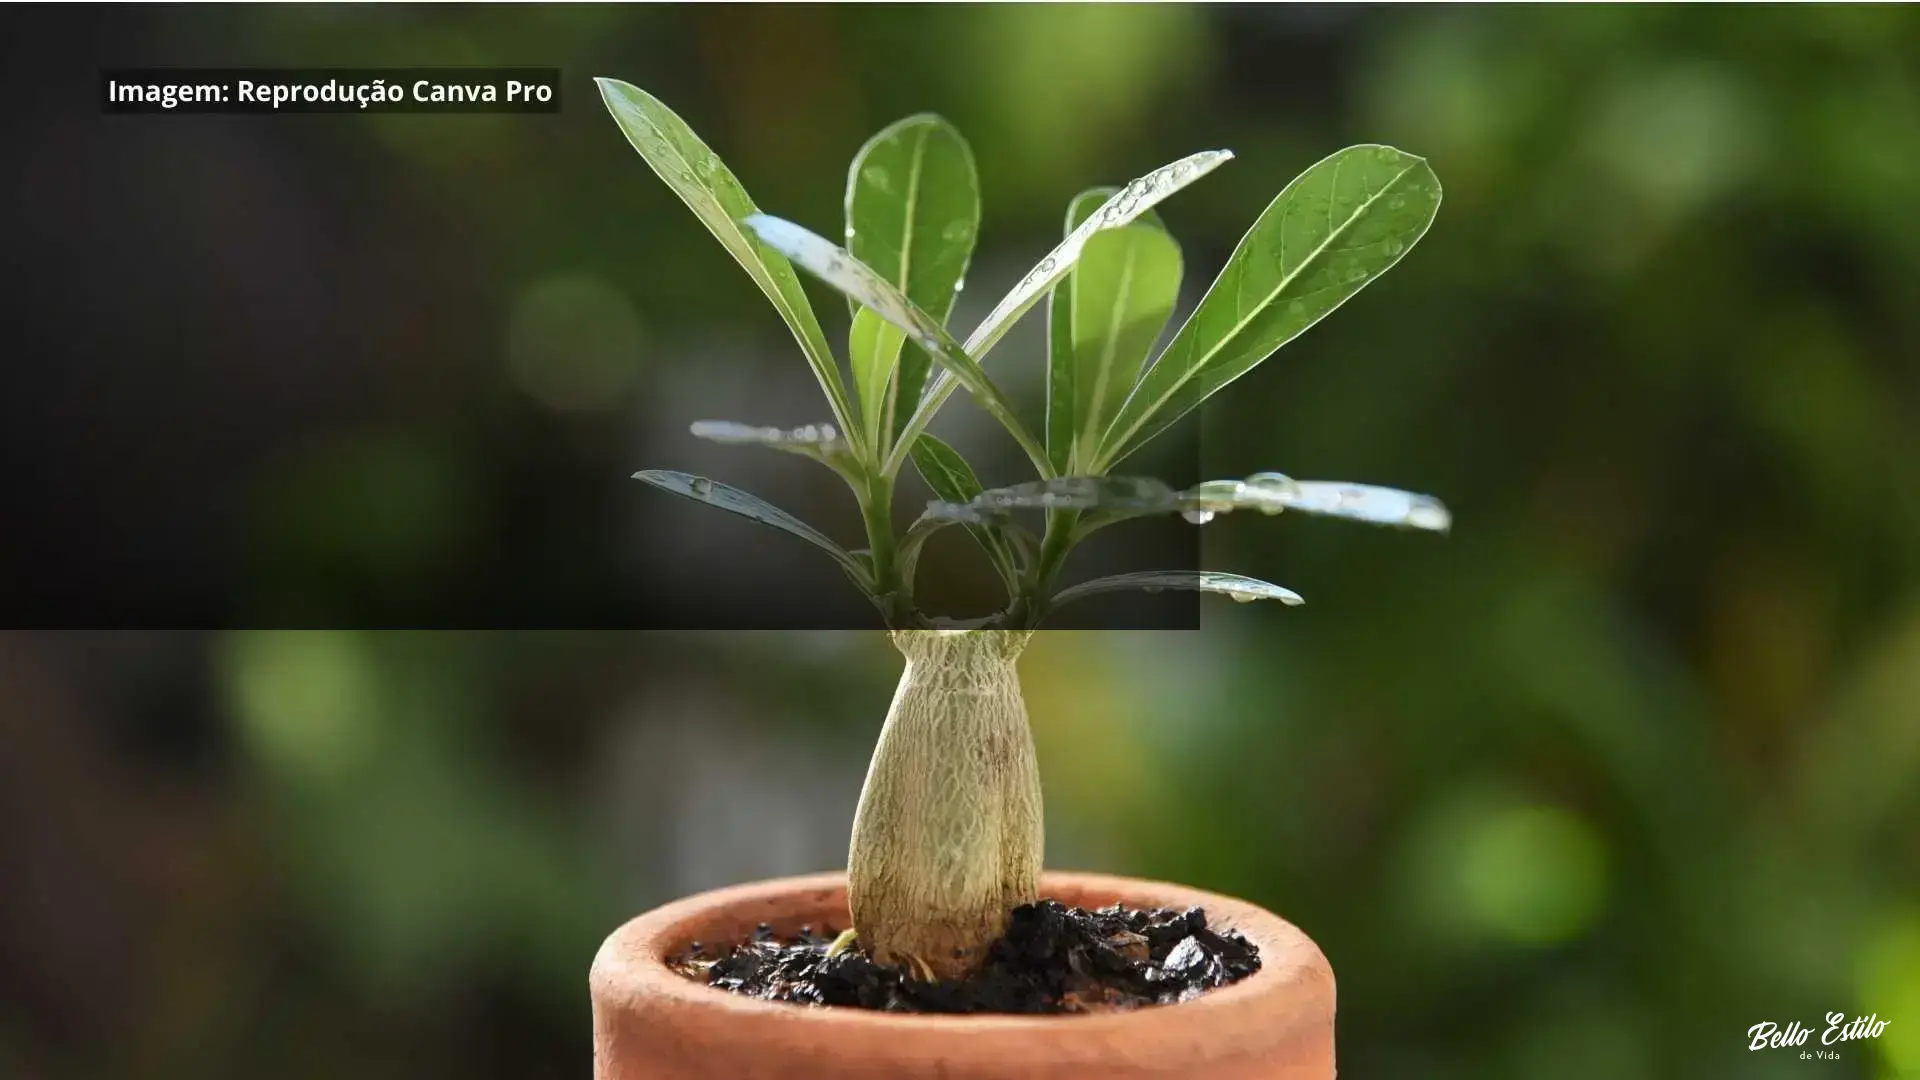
{"x": 653, "y": 1024}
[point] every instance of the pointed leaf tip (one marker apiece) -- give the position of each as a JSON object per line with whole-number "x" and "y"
{"x": 735, "y": 501}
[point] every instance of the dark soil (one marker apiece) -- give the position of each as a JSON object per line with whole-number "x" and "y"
{"x": 1053, "y": 959}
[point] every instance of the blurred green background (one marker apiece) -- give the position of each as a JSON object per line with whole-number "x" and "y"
{"x": 1626, "y": 765}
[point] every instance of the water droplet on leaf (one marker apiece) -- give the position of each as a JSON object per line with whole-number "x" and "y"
{"x": 957, "y": 231}
{"x": 1198, "y": 517}
{"x": 702, "y": 486}
{"x": 1427, "y": 513}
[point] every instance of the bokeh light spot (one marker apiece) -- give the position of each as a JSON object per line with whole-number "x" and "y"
{"x": 304, "y": 700}
{"x": 1532, "y": 874}
{"x": 573, "y": 343}
{"x": 1889, "y": 981}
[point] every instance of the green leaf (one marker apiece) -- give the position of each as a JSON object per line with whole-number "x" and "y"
{"x": 1336, "y": 227}
{"x": 1116, "y": 498}
{"x": 908, "y": 555}
{"x": 913, "y": 211}
{"x": 1139, "y": 196}
{"x": 734, "y": 501}
{"x": 953, "y": 480}
{"x": 821, "y": 442}
{"x": 704, "y": 183}
{"x": 1129, "y": 495}
{"x": 1240, "y": 587}
{"x": 818, "y": 256}
{"x": 873, "y": 347}
{"x": 1102, "y": 325}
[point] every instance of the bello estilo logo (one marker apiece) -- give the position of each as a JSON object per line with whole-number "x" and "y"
{"x": 1768, "y": 1035}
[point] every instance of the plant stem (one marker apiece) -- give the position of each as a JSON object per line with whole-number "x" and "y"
{"x": 893, "y": 595}
{"x": 1031, "y": 605}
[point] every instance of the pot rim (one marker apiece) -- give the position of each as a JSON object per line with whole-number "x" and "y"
{"x": 631, "y": 971}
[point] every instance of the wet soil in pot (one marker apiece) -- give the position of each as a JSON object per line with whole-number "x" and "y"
{"x": 1053, "y": 959}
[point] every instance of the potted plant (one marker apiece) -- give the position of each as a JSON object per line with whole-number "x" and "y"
{"x": 945, "y": 858}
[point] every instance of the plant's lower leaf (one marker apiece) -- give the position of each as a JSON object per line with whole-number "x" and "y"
{"x": 1272, "y": 493}
{"x": 916, "y": 538}
{"x": 1115, "y": 498}
{"x": 1133, "y": 495}
{"x": 734, "y": 501}
{"x": 952, "y": 479}
{"x": 1235, "y": 586}
{"x": 822, "y": 442}
{"x": 833, "y": 265}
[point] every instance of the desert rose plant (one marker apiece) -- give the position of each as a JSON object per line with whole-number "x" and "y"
{"x": 947, "y": 839}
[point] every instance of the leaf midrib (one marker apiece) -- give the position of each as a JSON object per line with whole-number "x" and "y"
{"x": 907, "y": 223}
{"x": 758, "y": 267}
{"x": 819, "y": 357}
{"x": 1123, "y": 294}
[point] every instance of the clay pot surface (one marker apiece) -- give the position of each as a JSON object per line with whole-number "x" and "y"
{"x": 651, "y": 1023}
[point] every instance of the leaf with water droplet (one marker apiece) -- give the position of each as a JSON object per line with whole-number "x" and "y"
{"x": 1102, "y": 323}
{"x": 1369, "y": 503}
{"x": 734, "y": 501}
{"x": 818, "y": 256}
{"x": 822, "y": 442}
{"x": 1131, "y": 495}
{"x": 668, "y": 146}
{"x": 912, "y": 209}
{"x": 1260, "y": 301}
{"x": 1125, "y": 206}
{"x": 1236, "y": 586}
{"x": 1110, "y": 499}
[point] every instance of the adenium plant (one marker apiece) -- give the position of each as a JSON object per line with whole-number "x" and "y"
{"x": 948, "y": 837}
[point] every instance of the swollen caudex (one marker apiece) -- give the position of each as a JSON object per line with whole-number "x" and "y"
{"x": 948, "y": 837}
